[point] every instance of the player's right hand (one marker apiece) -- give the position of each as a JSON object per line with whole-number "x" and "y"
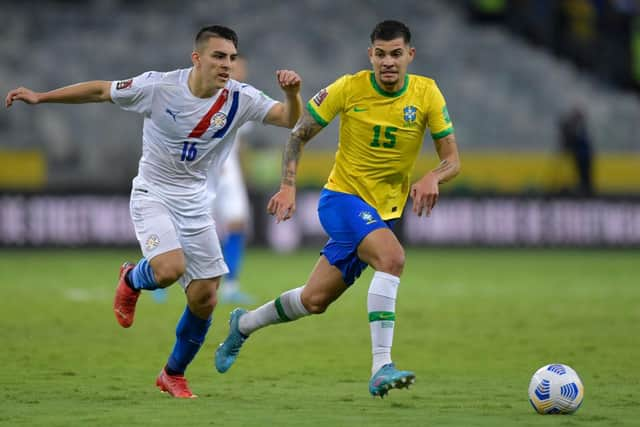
{"x": 283, "y": 204}
{"x": 289, "y": 81}
{"x": 425, "y": 194}
{"x": 21, "y": 94}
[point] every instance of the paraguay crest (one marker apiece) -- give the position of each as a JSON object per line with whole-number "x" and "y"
{"x": 218, "y": 120}
{"x": 152, "y": 242}
{"x": 409, "y": 115}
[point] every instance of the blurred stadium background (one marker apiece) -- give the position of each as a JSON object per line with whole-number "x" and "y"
{"x": 510, "y": 70}
{"x": 476, "y": 323}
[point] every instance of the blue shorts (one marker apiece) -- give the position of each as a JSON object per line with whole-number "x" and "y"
{"x": 347, "y": 219}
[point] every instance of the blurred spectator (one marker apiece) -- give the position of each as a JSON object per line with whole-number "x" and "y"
{"x": 487, "y": 10}
{"x": 231, "y": 206}
{"x": 575, "y": 141}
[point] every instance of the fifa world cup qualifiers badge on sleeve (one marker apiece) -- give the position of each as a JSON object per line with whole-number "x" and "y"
{"x": 124, "y": 84}
{"x": 320, "y": 96}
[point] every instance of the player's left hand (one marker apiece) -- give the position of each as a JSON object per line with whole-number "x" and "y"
{"x": 425, "y": 194}
{"x": 283, "y": 204}
{"x": 289, "y": 81}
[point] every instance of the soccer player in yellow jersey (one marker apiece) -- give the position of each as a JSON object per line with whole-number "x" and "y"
{"x": 384, "y": 115}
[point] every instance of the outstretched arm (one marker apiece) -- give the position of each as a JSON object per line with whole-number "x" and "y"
{"x": 80, "y": 93}
{"x": 283, "y": 203}
{"x": 425, "y": 192}
{"x": 286, "y": 114}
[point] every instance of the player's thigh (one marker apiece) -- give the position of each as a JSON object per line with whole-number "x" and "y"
{"x": 202, "y": 251}
{"x": 382, "y": 251}
{"x": 348, "y": 220}
{"x": 153, "y": 224}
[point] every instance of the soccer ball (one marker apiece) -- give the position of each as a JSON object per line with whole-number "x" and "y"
{"x": 556, "y": 389}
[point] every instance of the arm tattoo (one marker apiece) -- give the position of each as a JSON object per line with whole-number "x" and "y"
{"x": 443, "y": 167}
{"x": 444, "y": 141}
{"x": 450, "y": 164}
{"x": 304, "y": 130}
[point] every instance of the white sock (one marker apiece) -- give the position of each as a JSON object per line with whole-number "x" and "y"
{"x": 285, "y": 308}
{"x": 381, "y": 305}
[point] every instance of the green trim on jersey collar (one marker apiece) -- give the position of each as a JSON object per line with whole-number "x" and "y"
{"x": 383, "y": 92}
{"x": 316, "y": 116}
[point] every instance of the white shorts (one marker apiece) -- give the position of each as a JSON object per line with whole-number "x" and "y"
{"x": 232, "y": 202}
{"x": 159, "y": 230}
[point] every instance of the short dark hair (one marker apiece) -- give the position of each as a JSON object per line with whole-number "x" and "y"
{"x": 216, "y": 31}
{"x": 389, "y": 30}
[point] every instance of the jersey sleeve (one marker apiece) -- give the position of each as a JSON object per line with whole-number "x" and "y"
{"x": 328, "y": 102}
{"x": 135, "y": 94}
{"x": 259, "y": 103}
{"x": 438, "y": 119}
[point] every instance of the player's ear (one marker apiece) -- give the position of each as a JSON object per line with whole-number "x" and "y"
{"x": 412, "y": 53}
{"x": 370, "y": 53}
{"x": 195, "y": 58}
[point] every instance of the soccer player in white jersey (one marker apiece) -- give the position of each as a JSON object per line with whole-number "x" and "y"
{"x": 231, "y": 207}
{"x": 190, "y": 119}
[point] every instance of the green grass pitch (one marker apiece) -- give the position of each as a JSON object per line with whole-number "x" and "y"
{"x": 473, "y": 324}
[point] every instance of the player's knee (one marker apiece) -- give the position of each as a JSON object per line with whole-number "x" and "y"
{"x": 203, "y": 304}
{"x": 316, "y": 304}
{"x": 391, "y": 263}
{"x": 316, "y": 308}
{"x": 168, "y": 273}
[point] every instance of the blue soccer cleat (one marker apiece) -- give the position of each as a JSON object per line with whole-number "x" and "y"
{"x": 389, "y": 377}
{"x": 227, "y": 352}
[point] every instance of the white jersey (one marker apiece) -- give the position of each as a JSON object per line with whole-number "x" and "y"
{"x": 184, "y": 136}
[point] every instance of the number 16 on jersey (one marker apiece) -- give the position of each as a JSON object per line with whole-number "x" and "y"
{"x": 189, "y": 151}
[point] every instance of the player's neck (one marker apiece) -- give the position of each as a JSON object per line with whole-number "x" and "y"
{"x": 199, "y": 87}
{"x": 391, "y": 88}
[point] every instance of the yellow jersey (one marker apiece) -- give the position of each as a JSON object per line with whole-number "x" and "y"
{"x": 381, "y": 134}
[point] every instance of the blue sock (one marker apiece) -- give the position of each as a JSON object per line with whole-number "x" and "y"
{"x": 190, "y": 335}
{"x": 141, "y": 277}
{"x": 233, "y": 251}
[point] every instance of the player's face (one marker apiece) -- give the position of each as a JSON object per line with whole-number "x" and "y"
{"x": 390, "y": 59}
{"x": 214, "y": 60}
